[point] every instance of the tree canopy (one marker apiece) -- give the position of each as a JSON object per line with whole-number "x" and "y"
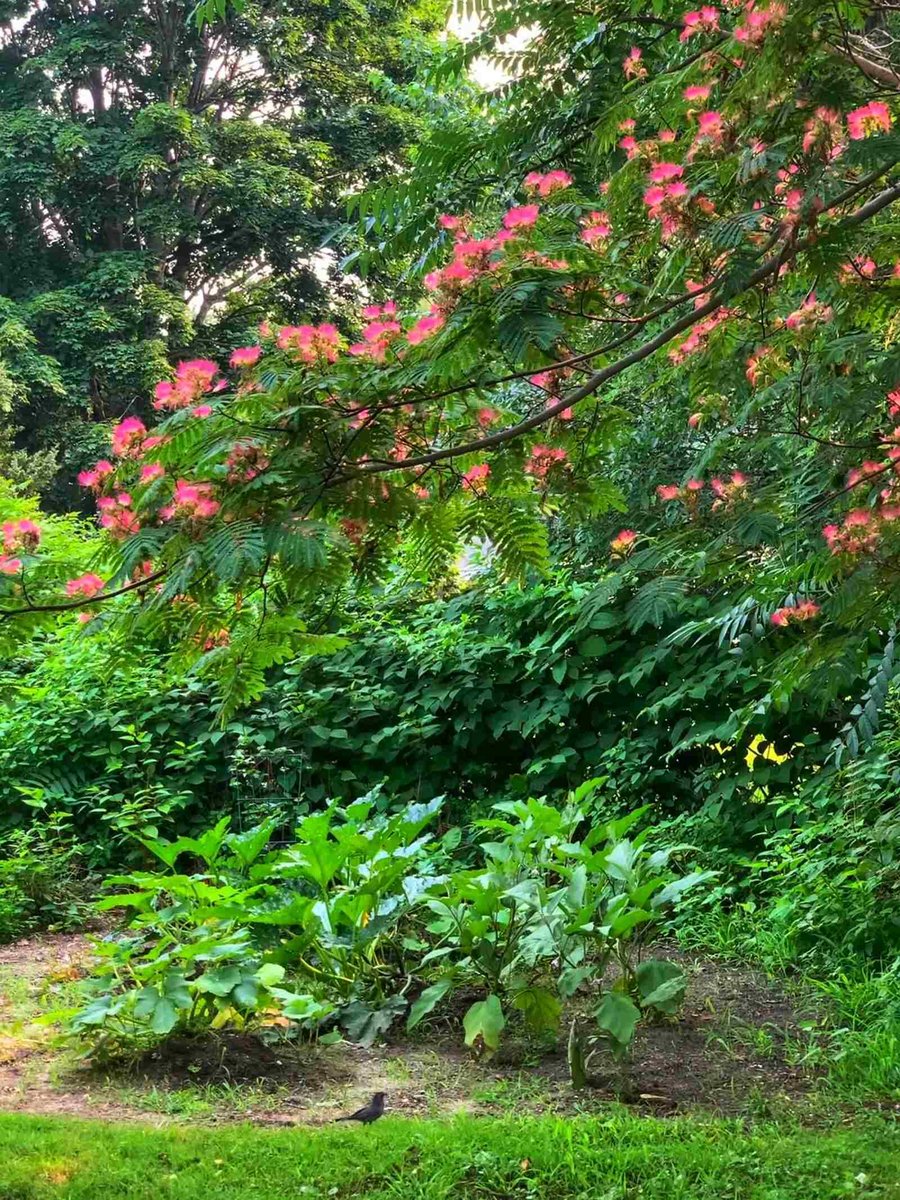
{"x": 164, "y": 185}
{"x": 699, "y": 267}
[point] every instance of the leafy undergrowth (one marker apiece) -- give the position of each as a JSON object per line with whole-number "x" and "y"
{"x": 732, "y": 1051}
{"x": 620, "y": 1156}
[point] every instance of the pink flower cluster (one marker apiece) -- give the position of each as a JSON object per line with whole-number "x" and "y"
{"x": 471, "y": 258}
{"x": 758, "y": 22}
{"x": 698, "y": 339}
{"x": 870, "y": 118}
{"x": 596, "y": 230}
{"x": 546, "y": 185}
{"x": 128, "y": 436}
{"x": 700, "y": 20}
{"x": 426, "y": 326}
{"x": 632, "y": 66}
{"x": 191, "y": 501}
{"x": 669, "y": 201}
{"x": 552, "y": 381}
{"x": 193, "y": 379}
{"x": 522, "y": 217}
{"x": 810, "y": 314}
{"x": 245, "y": 462}
{"x": 807, "y": 610}
{"x": 245, "y": 356}
{"x": 117, "y": 515}
{"x": 383, "y": 329}
{"x": 95, "y": 477}
{"x": 311, "y": 344}
{"x": 824, "y": 134}
{"x": 476, "y": 477}
{"x": 85, "y": 585}
{"x": 860, "y": 531}
{"x": 20, "y": 535}
{"x": 689, "y": 493}
{"x": 728, "y": 491}
{"x": 543, "y": 459}
{"x": 623, "y": 543}
{"x": 857, "y": 269}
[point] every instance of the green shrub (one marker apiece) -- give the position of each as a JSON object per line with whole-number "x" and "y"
{"x": 497, "y": 693}
{"x": 42, "y": 881}
{"x": 340, "y": 928}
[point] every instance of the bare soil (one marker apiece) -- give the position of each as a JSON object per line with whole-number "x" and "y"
{"x": 728, "y": 1053}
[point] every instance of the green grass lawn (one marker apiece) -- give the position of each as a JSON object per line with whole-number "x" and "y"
{"x": 619, "y": 1157}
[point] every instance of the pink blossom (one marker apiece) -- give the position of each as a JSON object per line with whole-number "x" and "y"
{"x": 823, "y": 133}
{"x": 703, "y": 20}
{"x": 807, "y": 610}
{"x": 10, "y": 566}
{"x": 193, "y": 379}
{"x": 311, "y": 344}
{"x": 191, "y": 501}
{"x": 521, "y": 218}
{"x": 758, "y": 21}
{"x": 630, "y": 145}
{"x": 623, "y": 543}
{"x": 128, "y": 436}
{"x": 20, "y": 535}
{"x": 858, "y": 268}
{"x": 94, "y": 477}
{"x": 695, "y": 485}
{"x": 668, "y": 491}
{"x": 245, "y": 462}
{"x": 424, "y": 328}
{"x": 597, "y": 228}
{"x": 476, "y": 477}
{"x": 202, "y": 410}
{"x": 874, "y": 117}
{"x": 632, "y": 66}
{"x": 85, "y": 585}
{"x": 665, "y": 171}
{"x": 808, "y": 315}
{"x": 151, "y": 471}
{"x": 546, "y": 185}
{"x": 711, "y": 128}
{"x": 245, "y": 356}
{"x": 543, "y": 459}
{"x": 697, "y": 91}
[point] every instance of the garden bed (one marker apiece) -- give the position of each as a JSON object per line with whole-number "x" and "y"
{"x": 732, "y": 1051}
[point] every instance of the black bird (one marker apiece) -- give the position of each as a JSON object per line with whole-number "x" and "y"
{"x": 369, "y": 1113}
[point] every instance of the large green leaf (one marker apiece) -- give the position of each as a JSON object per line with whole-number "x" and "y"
{"x": 618, "y": 1017}
{"x": 483, "y": 1024}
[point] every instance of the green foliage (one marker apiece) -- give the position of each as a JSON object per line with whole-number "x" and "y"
{"x": 164, "y": 195}
{"x": 544, "y": 911}
{"x": 43, "y": 883}
{"x": 331, "y": 929}
{"x": 261, "y": 938}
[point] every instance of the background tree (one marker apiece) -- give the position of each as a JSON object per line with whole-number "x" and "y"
{"x": 163, "y": 187}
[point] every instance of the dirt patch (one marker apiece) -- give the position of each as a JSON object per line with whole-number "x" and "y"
{"x": 728, "y": 1052}
{"x": 39, "y": 956}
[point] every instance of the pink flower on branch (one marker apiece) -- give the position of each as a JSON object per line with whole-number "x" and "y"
{"x": 85, "y": 585}
{"x": 874, "y": 117}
